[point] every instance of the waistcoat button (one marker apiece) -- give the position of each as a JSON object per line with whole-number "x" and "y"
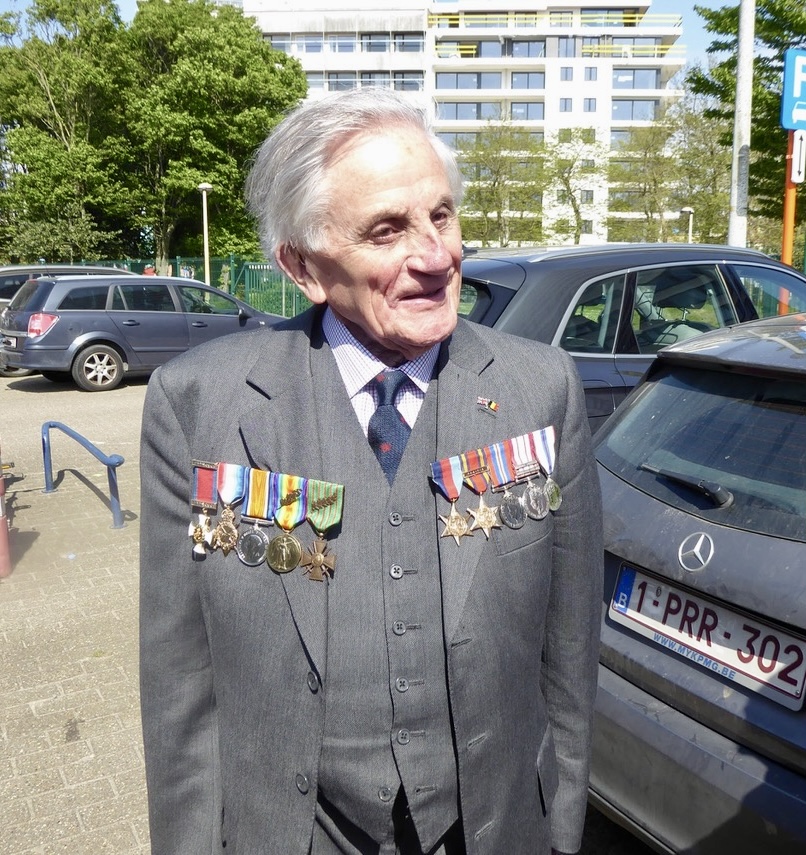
{"x": 399, "y": 628}
{"x": 403, "y": 737}
{"x": 395, "y": 518}
{"x": 313, "y": 683}
{"x": 402, "y": 684}
{"x": 385, "y": 794}
{"x": 302, "y": 783}
{"x": 396, "y": 571}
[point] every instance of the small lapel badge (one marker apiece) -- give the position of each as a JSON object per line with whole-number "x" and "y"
{"x": 487, "y": 404}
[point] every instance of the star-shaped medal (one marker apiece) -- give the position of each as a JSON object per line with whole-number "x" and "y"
{"x": 318, "y": 561}
{"x": 484, "y": 517}
{"x": 456, "y": 525}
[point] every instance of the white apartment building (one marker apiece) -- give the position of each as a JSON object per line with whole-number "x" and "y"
{"x": 545, "y": 66}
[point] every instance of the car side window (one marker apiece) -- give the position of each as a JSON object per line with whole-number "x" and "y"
{"x": 201, "y": 301}
{"x": 9, "y": 285}
{"x": 92, "y": 297}
{"x": 593, "y": 322}
{"x": 772, "y": 292}
{"x": 138, "y": 297}
{"x": 672, "y": 304}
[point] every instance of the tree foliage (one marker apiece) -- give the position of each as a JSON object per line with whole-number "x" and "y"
{"x": 109, "y": 129}
{"x": 779, "y": 24}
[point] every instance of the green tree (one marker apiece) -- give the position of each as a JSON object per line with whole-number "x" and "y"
{"x": 779, "y": 24}
{"x": 504, "y": 184}
{"x": 575, "y": 165}
{"x": 204, "y": 89}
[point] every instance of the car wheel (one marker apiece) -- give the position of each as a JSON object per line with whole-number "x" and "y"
{"x": 56, "y": 376}
{"x": 98, "y": 368}
{"x": 15, "y": 372}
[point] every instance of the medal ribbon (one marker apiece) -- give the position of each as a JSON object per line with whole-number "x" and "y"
{"x": 524, "y": 457}
{"x": 325, "y": 503}
{"x": 292, "y": 507}
{"x": 543, "y": 442}
{"x": 256, "y": 505}
{"x": 499, "y": 457}
{"x": 475, "y": 470}
{"x": 231, "y": 482}
{"x": 205, "y": 486}
{"x": 447, "y": 475}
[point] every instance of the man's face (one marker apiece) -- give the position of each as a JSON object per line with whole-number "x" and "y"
{"x": 391, "y": 264}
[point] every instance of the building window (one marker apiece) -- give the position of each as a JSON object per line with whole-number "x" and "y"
{"x": 473, "y": 111}
{"x": 408, "y": 81}
{"x": 586, "y": 197}
{"x": 282, "y": 43}
{"x": 624, "y": 110}
{"x": 469, "y": 80}
{"x": 528, "y": 48}
{"x": 340, "y": 81}
{"x": 566, "y": 48}
{"x": 316, "y": 80}
{"x": 619, "y": 138}
{"x": 375, "y": 42}
{"x": 523, "y": 111}
{"x": 564, "y": 135}
{"x": 587, "y": 135}
{"x": 408, "y": 42}
{"x": 591, "y": 46}
{"x": 636, "y": 78}
{"x": 561, "y": 18}
{"x": 566, "y": 73}
{"x": 537, "y": 137}
{"x": 528, "y": 80}
{"x": 308, "y": 44}
{"x": 341, "y": 43}
{"x": 375, "y": 78}
{"x": 489, "y": 49}
{"x": 589, "y": 105}
{"x": 591, "y": 72}
{"x": 566, "y": 105}
{"x": 587, "y": 227}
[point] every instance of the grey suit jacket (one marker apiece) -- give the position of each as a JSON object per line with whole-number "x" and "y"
{"x": 233, "y": 678}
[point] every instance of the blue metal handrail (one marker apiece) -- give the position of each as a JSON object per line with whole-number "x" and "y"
{"x": 110, "y": 461}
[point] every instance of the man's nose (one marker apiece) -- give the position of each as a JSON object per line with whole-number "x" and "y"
{"x": 430, "y": 251}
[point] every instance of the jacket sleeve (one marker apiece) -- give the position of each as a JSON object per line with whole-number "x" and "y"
{"x": 572, "y": 635}
{"x": 177, "y": 697}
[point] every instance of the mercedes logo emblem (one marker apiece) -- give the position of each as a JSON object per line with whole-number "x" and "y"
{"x": 695, "y": 552}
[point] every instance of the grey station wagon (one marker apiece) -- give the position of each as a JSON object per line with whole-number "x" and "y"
{"x": 96, "y": 329}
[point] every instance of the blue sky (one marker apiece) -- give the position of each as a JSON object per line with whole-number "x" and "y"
{"x": 694, "y": 37}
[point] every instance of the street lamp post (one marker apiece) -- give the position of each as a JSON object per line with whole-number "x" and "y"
{"x": 690, "y": 213}
{"x": 205, "y": 188}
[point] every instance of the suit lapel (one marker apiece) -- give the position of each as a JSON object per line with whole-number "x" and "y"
{"x": 462, "y": 425}
{"x": 280, "y": 433}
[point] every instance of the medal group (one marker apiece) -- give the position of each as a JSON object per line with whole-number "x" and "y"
{"x": 528, "y": 459}
{"x": 266, "y": 499}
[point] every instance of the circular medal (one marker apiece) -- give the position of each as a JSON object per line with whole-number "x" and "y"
{"x": 284, "y": 553}
{"x": 535, "y": 501}
{"x": 253, "y": 546}
{"x": 512, "y": 511}
{"x": 555, "y": 497}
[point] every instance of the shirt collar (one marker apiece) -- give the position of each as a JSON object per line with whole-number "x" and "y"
{"x": 358, "y": 366}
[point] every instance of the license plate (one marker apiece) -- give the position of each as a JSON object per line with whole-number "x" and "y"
{"x": 741, "y": 649}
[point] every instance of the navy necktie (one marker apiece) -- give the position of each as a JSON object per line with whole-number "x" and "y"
{"x": 387, "y": 431}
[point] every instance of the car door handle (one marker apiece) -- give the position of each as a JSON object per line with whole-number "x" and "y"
{"x": 198, "y": 324}
{"x": 131, "y": 323}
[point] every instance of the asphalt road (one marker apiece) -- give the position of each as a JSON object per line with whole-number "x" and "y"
{"x": 111, "y": 421}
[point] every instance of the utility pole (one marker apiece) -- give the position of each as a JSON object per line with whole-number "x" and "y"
{"x": 740, "y": 164}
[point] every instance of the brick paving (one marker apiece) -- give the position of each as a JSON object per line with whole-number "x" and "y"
{"x": 71, "y": 757}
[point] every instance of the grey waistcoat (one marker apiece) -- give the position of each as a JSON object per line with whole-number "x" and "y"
{"x": 387, "y": 719}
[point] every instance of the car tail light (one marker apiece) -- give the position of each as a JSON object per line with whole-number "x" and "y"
{"x": 40, "y": 322}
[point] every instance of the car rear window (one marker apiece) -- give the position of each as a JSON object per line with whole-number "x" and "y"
{"x": 32, "y": 295}
{"x": 743, "y": 437}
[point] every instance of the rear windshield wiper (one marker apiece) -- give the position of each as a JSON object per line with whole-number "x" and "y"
{"x": 718, "y": 494}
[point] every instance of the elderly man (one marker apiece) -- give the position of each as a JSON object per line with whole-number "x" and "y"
{"x": 371, "y": 545}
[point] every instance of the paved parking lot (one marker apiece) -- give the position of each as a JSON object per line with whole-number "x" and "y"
{"x": 71, "y": 762}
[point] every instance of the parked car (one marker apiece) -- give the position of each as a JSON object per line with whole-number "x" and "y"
{"x": 96, "y": 329}
{"x": 614, "y": 306}
{"x": 700, "y": 735}
{"x": 12, "y": 277}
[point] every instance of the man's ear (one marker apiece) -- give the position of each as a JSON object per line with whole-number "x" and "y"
{"x": 293, "y": 264}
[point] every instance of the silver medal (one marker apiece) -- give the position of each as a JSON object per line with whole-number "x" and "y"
{"x": 553, "y": 493}
{"x": 252, "y": 546}
{"x": 511, "y": 511}
{"x": 535, "y": 501}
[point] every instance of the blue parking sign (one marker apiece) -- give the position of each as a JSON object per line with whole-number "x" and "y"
{"x": 793, "y": 98}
